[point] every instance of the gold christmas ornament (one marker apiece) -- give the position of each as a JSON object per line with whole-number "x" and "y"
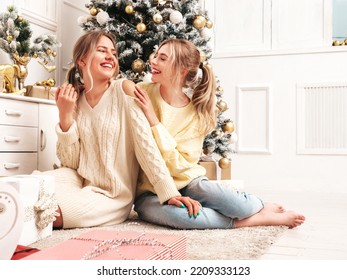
{"x": 49, "y": 51}
{"x": 93, "y": 11}
{"x": 9, "y": 38}
{"x": 141, "y": 27}
{"x": 54, "y": 54}
{"x": 129, "y": 9}
{"x": 19, "y": 19}
{"x": 209, "y": 24}
{"x": 198, "y": 23}
{"x": 224, "y": 163}
{"x": 138, "y": 65}
{"x": 157, "y": 18}
{"x": 203, "y": 20}
{"x": 50, "y": 82}
{"x": 222, "y": 106}
{"x": 220, "y": 89}
{"x": 35, "y": 55}
{"x": 228, "y": 127}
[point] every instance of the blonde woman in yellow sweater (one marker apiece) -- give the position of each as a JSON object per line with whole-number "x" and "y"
{"x": 103, "y": 138}
{"x": 179, "y": 124}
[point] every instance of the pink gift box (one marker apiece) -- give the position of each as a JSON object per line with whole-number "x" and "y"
{"x": 116, "y": 245}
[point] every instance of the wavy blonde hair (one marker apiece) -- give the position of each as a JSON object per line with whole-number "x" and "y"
{"x": 185, "y": 56}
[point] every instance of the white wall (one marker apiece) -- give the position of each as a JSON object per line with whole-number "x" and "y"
{"x": 264, "y": 51}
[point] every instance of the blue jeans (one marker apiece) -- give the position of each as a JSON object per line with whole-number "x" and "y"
{"x": 220, "y": 207}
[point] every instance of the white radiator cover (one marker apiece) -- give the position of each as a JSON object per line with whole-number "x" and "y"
{"x": 322, "y": 118}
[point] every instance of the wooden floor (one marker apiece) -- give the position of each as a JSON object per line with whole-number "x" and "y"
{"x": 323, "y": 236}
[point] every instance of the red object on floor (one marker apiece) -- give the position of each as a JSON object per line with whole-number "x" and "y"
{"x": 23, "y": 251}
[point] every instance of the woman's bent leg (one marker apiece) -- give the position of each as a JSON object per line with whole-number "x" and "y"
{"x": 149, "y": 209}
{"x": 231, "y": 203}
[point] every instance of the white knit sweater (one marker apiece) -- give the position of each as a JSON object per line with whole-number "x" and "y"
{"x": 107, "y": 143}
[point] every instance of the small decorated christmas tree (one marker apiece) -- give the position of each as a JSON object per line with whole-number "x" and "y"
{"x": 15, "y": 35}
{"x": 140, "y": 27}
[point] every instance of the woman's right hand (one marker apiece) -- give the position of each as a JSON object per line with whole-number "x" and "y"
{"x": 193, "y": 206}
{"x": 143, "y": 100}
{"x": 66, "y": 98}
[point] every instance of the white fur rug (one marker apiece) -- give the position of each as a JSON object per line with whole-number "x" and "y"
{"x": 229, "y": 244}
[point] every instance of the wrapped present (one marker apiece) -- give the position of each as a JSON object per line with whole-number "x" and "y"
{"x": 37, "y": 195}
{"x": 44, "y": 92}
{"x": 116, "y": 245}
{"x": 214, "y": 172}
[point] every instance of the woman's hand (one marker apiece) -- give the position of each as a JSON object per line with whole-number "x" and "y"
{"x": 142, "y": 99}
{"x": 66, "y": 98}
{"x": 192, "y": 205}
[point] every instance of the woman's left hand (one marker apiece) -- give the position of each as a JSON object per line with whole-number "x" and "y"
{"x": 192, "y": 205}
{"x": 143, "y": 100}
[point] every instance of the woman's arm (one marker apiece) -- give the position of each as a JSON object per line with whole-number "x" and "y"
{"x": 68, "y": 146}
{"x": 178, "y": 157}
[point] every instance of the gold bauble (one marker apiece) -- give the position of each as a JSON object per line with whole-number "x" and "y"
{"x": 54, "y": 54}
{"x": 228, "y": 127}
{"x": 138, "y": 65}
{"x": 157, "y": 18}
{"x": 203, "y": 20}
{"x": 50, "y": 82}
{"x": 129, "y": 9}
{"x": 9, "y": 38}
{"x": 35, "y": 55}
{"x": 209, "y": 24}
{"x": 19, "y": 19}
{"x": 49, "y": 51}
{"x": 93, "y": 11}
{"x": 198, "y": 23}
{"x": 220, "y": 89}
{"x": 224, "y": 163}
{"x": 141, "y": 27}
{"x": 222, "y": 106}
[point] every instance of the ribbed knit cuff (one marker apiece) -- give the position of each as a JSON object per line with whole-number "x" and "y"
{"x": 165, "y": 191}
{"x": 69, "y": 137}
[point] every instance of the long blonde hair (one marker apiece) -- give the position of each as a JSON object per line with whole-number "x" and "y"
{"x": 185, "y": 55}
{"x": 86, "y": 44}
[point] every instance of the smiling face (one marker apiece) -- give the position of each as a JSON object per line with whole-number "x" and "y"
{"x": 101, "y": 63}
{"x": 162, "y": 70}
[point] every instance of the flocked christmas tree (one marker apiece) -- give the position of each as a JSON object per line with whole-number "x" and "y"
{"x": 15, "y": 39}
{"x": 140, "y": 26}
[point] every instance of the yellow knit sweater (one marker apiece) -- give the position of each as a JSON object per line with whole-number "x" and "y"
{"x": 179, "y": 139}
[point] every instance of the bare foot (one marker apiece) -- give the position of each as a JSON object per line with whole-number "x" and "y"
{"x": 269, "y": 218}
{"x": 273, "y": 207}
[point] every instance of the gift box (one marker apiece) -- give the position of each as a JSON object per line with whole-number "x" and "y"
{"x": 37, "y": 195}
{"x": 214, "y": 172}
{"x": 44, "y": 92}
{"x": 116, "y": 245}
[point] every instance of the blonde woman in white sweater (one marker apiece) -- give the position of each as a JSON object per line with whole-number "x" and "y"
{"x": 103, "y": 139}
